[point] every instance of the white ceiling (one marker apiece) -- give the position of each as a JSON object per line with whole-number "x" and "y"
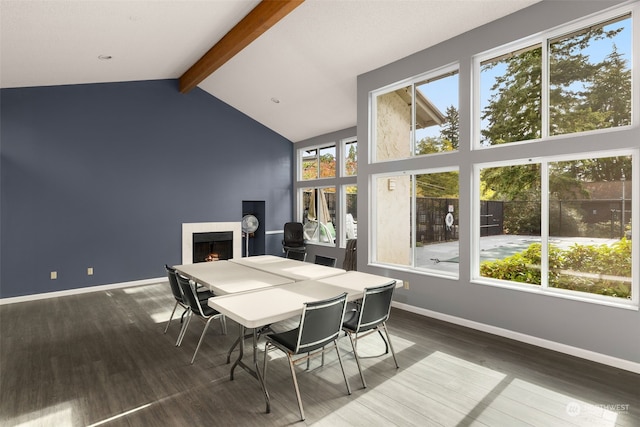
{"x": 309, "y": 60}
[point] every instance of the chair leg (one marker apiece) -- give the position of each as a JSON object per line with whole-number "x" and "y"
{"x": 393, "y": 353}
{"x": 346, "y": 381}
{"x": 171, "y": 317}
{"x": 295, "y": 385}
{"x": 355, "y": 354}
{"x": 223, "y": 324}
{"x": 183, "y": 330}
{"x": 204, "y": 331}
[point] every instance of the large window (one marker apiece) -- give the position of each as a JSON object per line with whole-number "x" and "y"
{"x": 419, "y": 118}
{"x": 547, "y": 166}
{"x": 584, "y": 245}
{"x": 585, "y": 85}
{"x": 327, "y": 193}
{"x": 417, "y": 221}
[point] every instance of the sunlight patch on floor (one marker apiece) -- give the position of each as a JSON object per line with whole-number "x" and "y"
{"x": 57, "y": 415}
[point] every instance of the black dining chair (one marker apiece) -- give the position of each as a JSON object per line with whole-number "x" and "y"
{"x": 369, "y": 316}
{"x": 325, "y": 260}
{"x": 318, "y": 331}
{"x": 200, "y": 309}
{"x": 203, "y": 295}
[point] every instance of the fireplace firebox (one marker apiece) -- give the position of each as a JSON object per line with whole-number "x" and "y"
{"x": 212, "y": 246}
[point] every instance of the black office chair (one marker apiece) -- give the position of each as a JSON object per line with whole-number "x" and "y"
{"x": 371, "y": 316}
{"x": 325, "y": 260}
{"x": 318, "y": 331}
{"x": 293, "y": 238}
{"x": 203, "y": 295}
{"x": 298, "y": 256}
{"x": 200, "y": 309}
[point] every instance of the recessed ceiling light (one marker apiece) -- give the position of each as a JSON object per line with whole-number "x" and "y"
{"x": 104, "y": 57}
{"x": 275, "y": 100}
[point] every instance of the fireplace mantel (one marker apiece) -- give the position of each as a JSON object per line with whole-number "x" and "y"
{"x": 209, "y": 227}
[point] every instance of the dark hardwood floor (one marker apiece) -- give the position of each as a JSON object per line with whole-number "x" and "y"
{"x": 101, "y": 359}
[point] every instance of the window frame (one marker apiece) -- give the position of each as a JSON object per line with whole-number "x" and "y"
{"x": 339, "y": 182}
{"x": 440, "y": 72}
{"x": 543, "y": 39}
{"x": 544, "y": 287}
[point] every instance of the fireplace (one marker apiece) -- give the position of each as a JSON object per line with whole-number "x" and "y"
{"x": 221, "y": 238}
{"x": 212, "y": 246}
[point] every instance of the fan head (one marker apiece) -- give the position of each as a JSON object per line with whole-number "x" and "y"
{"x": 249, "y": 224}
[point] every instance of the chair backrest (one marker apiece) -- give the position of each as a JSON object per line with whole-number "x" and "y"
{"x": 173, "y": 282}
{"x": 189, "y": 294}
{"x": 325, "y": 260}
{"x": 293, "y": 234}
{"x": 321, "y": 323}
{"x": 376, "y": 306}
{"x": 297, "y": 255}
{"x": 351, "y": 255}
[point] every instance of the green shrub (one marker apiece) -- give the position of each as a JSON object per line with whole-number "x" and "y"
{"x": 579, "y": 268}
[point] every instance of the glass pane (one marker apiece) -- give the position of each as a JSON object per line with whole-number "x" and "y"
{"x": 328, "y": 162}
{"x": 351, "y": 209}
{"x": 393, "y": 125}
{"x": 351, "y": 158}
{"x": 437, "y": 115}
{"x": 590, "y": 78}
{"x": 309, "y": 162}
{"x": 510, "y": 227}
{"x": 510, "y": 97}
{"x": 393, "y": 220}
{"x": 436, "y": 222}
{"x": 319, "y": 213}
{"x": 590, "y": 226}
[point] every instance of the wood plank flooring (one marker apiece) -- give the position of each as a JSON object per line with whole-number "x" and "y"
{"x": 101, "y": 359}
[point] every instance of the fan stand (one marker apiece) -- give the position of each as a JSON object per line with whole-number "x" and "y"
{"x": 246, "y": 247}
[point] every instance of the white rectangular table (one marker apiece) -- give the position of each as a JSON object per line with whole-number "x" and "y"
{"x": 289, "y": 268}
{"x": 225, "y": 277}
{"x": 263, "y": 307}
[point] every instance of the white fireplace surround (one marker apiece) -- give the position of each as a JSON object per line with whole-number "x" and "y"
{"x": 209, "y": 227}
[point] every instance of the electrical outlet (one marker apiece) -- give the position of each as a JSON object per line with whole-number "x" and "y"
{"x": 405, "y": 284}
{"x": 90, "y": 271}
{"x": 54, "y": 275}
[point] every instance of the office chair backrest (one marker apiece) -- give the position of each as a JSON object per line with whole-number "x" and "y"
{"x": 321, "y": 323}
{"x": 376, "y": 306}
{"x": 293, "y": 234}
{"x": 325, "y": 260}
{"x": 297, "y": 255}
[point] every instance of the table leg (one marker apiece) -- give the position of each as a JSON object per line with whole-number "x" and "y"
{"x": 255, "y": 371}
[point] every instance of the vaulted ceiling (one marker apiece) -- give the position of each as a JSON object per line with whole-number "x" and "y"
{"x": 308, "y": 60}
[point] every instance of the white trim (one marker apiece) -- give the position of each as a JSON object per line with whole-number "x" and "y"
{"x": 77, "y": 291}
{"x": 209, "y": 227}
{"x": 615, "y": 362}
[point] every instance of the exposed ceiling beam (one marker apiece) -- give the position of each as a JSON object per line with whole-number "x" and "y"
{"x": 264, "y": 16}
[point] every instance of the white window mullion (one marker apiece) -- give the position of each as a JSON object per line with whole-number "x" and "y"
{"x": 544, "y": 224}
{"x": 544, "y": 89}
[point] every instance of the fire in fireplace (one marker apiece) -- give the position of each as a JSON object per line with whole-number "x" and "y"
{"x": 212, "y": 246}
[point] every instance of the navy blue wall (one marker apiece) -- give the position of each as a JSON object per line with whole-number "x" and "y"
{"x": 103, "y": 176}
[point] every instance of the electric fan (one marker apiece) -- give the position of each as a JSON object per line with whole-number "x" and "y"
{"x": 249, "y": 225}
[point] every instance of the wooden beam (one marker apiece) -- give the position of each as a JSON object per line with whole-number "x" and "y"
{"x": 264, "y": 16}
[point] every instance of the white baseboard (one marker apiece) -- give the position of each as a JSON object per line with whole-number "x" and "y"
{"x": 517, "y": 336}
{"x": 77, "y": 291}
